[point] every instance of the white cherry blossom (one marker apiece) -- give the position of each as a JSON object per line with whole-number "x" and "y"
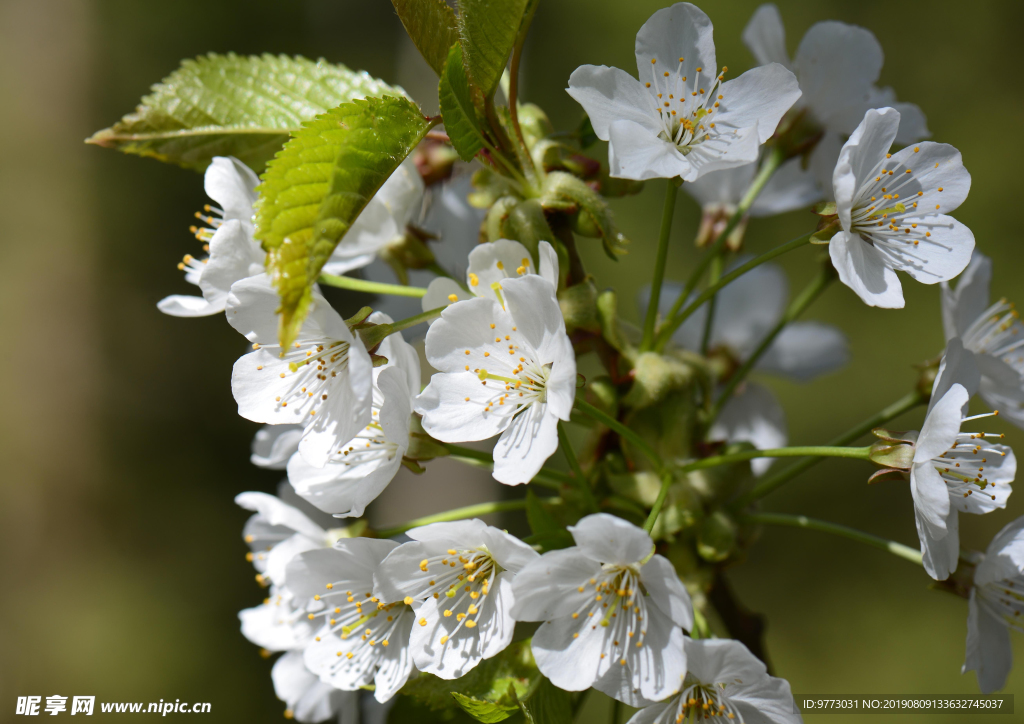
{"x": 681, "y": 118}
{"x": 308, "y": 699}
{"x": 506, "y": 368}
{"x": 273, "y": 445}
{"x": 382, "y": 221}
{"x": 234, "y": 253}
{"x": 277, "y": 624}
{"x": 993, "y": 333}
{"x": 277, "y": 533}
{"x": 458, "y": 577}
{"x": 359, "y": 640}
{"x": 322, "y": 383}
{"x": 613, "y": 613}
{"x": 724, "y": 683}
{"x": 358, "y": 470}
{"x": 837, "y": 66}
{"x": 954, "y": 471}
{"x": 893, "y": 211}
{"x": 490, "y": 264}
{"x": 996, "y": 607}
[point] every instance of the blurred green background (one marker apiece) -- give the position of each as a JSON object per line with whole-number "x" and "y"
{"x": 121, "y": 448}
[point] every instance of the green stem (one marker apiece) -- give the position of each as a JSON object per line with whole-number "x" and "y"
{"x": 716, "y": 272}
{"x": 766, "y": 486}
{"x": 361, "y": 285}
{"x": 800, "y": 521}
{"x": 667, "y": 212}
{"x": 610, "y": 422}
{"x": 796, "y": 308}
{"x": 513, "y": 93}
{"x": 581, "y": 480}
{"x": 470, "y": 511}
{"x": 857, "y": 453}
{"x": 770, "y": 165}
{"x": 482, "y": 459}
{"x": 659, "y": 503}
{"x": 665, "y": 334}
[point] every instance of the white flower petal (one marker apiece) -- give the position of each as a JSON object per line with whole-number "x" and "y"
{"x": 862, "y": 268}
{"x": 549, "y": 587}
{"x": 667, "y": 591}
{"x": 276, "y": 512}
{"x": 611, "y": 94}
{"x": 989, "y": 653}
{"x": 232, "y": 185}
{"x": 805, "y": 350}
{"x": 440, "y": 293}
{"x": 462, "y": 326}
{"x": 637, "y": 153}
{"x": 449, "y": 417}
{"x": 860, "y": 157}
{"x": 679, "y": 31}
{"x": 525, "y": 445}
{"x": 958, "y": 366}
{"x": 759, "y": 97}
{"x": 765, "y": 36}
{"x": 790, "y": 188}
{"x": 609, "y": 539}
{"x": 941, "y": 425}
{"x": 752, "y": 415}
{"x": 838, "y": 65}
{"x": 273, "y": 445}
{"x": 181, "y": 305}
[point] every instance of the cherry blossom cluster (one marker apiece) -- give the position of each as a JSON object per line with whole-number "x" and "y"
{"x": 601, "y": 599}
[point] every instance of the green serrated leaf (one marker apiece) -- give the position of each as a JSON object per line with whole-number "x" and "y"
{"x": 549, "y": 705}
{"x": 432, "y": 26}
{"x": 484, "y": 711}
{"x": 319, "y": 183}
{"x": 488, "y": 681}
{"x": 488, "y": 29}
{"x": 231, "y": 105}
{"x": 457, "y": 110}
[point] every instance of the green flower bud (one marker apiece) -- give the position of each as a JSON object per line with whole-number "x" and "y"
{"x": 579, "y": 307}
{"x": 654, "y": 377}
{"x": 716, "y": 540}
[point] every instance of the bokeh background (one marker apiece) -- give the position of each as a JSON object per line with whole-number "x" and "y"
{"x": 121, "y": 449}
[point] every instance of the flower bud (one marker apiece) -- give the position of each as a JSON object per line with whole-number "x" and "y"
{"x": 714, "y": 219}
{"x": 654, "y": 377}
{"x": 716, "y": 540}
{"x": 579, "y": 307}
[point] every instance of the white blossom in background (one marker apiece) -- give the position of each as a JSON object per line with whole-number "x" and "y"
{"x": 383, "y": 221}
{"x": 277, "y": 533}
{"x": 310, "y": 700}
{"x": 996, "y": 606}
{"x": 745, "y": 312}
{"x": 993, "y": 333}
{"x": 893, "y": 211}
{"x": 613, "y": 613}
{"x": 954, "y": 471}
{"x": 837, "y": 66}
{"x": 359, "y": 640}
{"x": 724, "y": 683}
{"x": 277, "y": 624}
{"x": 273, "y": 445}
{"x": 458, "y": 578}
{"x": 322, "y": 383}
{"x": 358, "y": 470}
{"x": 234, "y": 253}
{"x": 505, "y": 368}
{"x": 456, "y": 224}
{"x": 719, "y": 193}
{"x": 490, "y": 264}
{"x": 681, "y": 118}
